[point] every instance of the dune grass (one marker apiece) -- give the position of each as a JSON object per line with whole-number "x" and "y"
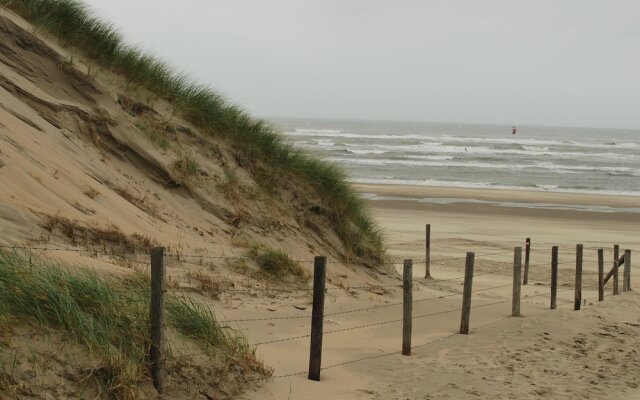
{"x": 110, "y": 318}
{"x": 277, "y": 263}
{"x": 74, "y": 25}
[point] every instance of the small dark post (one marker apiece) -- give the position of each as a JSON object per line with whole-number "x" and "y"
{"x": 616, "y": 264}
{"x": 317, "y": 317}
{"x": 407, "y": 306}
{"x": 578, "y": 291}
{"x": 627, "y": 270}
{"x": 466, "y": 296}
{"x": 554, "y": 277}
{"x": 156, "y": 348}
{"x": 427, "y": 252}
{"x": 527, "y": 251}
{"x": 600, "y": 275}
{"x": 517, "y": 271}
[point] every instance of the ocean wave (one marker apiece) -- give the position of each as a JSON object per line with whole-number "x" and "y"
{"x": 535, "y": 149}
{"x": 547, "y": 166}
{"x": 364, "y": 151}
{"x": 336, "y": 133}
{"x": 621, "y": 171}
{"x": 624, "y": 145}
{"x": 318, "y": 131}
{"x": 426, "y": 147}
{"x": 546, "y": 187}
{"x": 514, "y": 141}
{"x": 523, "y": 143}
{"x": 433, "y": 158}
{"x": 491, "y": 185}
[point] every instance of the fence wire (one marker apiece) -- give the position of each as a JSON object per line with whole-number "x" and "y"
{"x": 434, "y": 262}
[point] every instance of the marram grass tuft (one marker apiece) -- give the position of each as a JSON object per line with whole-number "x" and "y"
{"x": 110, "y": 318}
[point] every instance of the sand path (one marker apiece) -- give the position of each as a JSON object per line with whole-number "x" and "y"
{"x": 544, "y": 354}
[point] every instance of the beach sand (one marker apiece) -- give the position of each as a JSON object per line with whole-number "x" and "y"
{"x": 549, "y": 354}
{"x": 465, "y": 225}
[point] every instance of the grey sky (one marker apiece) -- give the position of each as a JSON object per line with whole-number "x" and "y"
{"x": 547, "y": 62}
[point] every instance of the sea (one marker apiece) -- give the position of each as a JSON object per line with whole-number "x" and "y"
{"x": 539, "y": 158}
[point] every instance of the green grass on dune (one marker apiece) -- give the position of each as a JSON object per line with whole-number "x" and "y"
{"x": 277, "y": 263}
{"x": 72, "y": 23}
{"x": 110, "y": 318}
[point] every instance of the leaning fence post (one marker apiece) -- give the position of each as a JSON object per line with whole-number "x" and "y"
{"x": 156, "y": 348}
{"x": 427, "y": 252}
{"x": 627, "y": 269}
{"x": 600, "y": 275}
{"x": 317, "y": 317}
{"x": 407, "y": 306}
{"x": 578, "y": 290}
{"x": 466, "y": 296}
{"x": 616, "y": 253}
{"x": 554, "y": 277}
{"x": 527, "y": 250}
{"x": 517, "y": 271}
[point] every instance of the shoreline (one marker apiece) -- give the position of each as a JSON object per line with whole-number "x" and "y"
{"x": 467, "y": 224}
{"x": 440, "y": 195}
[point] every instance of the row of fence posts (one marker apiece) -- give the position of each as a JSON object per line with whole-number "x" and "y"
{"x": 519, "y": 279}
{"x": 158, "y": 289}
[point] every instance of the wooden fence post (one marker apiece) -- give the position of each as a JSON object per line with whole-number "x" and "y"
{"x": 600, "y": 274}
{"x": 317, "y": 317}
{"x": 156, "y": 348}
{"x": 407, "y": 306}
{"x": 517, "y": 271}
{"x": 616, "y": 253}
{"x": 627, "y": 269}
{"x": 554, "y": 277}
{"x": 427, "y": 252}
{"x": 578, "y": 290}
{"x": 466, "y": 296}
{"x": 527, "y": 250}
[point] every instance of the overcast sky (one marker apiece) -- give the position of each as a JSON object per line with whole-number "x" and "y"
{"x": 544, "y": 62}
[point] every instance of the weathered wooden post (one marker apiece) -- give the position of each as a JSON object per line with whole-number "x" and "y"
{"x": 317, "y": 317}
{"x": 466, "y": 296}
{"x": 156, "y": 348}
{"x": 616, "y": 264}
{"x": 600, "y": 275}
{"x": 517, "y": 271}
{"x": 578, "y": 288}
{"x": 627, "y": 270}
{"x": 427, "y": 252}
{"x": 527, "y": 250}
{"x": 407, "y": 306}
{"x": 554, "y": 277}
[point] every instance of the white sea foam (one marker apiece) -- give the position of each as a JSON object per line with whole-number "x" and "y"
{"x": 628, "y": 145}
{"x": 426, "y": 147}
{"x": 325, "y": 143}
{"x": 486, "y": 185}
{"x": 547, "y": 187}
{"x": 557, "y": 168}
{"x": 434, "y": 158}
{"x": 336, "y": 133}
{"x": 318, "y": 132}
{"x": 364, "y": 151}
